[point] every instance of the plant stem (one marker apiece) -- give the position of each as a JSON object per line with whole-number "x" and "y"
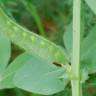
{"x": 76, "y": 86}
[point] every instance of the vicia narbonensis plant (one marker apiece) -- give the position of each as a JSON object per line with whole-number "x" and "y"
{"x": 34, "y": 70}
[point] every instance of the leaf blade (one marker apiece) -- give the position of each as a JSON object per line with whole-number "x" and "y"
{"x": 92, "y": 5}
{"x": 5, "y": 52}
{"x": 7, "y": 78}
{"x": 31, "y": 42}
{"x": 40, "y": 77}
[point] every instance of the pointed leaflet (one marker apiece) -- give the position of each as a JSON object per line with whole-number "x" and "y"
{"x": 30, "y": 41}
{"x": 5, "y": 51}
{"x": 40, "y": 77}
{"x": 92, "y": 5}
{"x": 68, "y": 39}
{"x": 7, "y": 78}
{"x": 88, "y": 51}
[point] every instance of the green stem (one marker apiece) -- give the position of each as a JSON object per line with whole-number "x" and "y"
{"x": 32, "y": 9}
{"x": 76, "y": 86}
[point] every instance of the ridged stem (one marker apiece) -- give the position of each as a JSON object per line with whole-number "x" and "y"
{"x": 76, "y": 86}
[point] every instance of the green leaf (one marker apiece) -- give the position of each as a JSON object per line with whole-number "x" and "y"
{"x": 5, "y": 51}
{"x": 40, "y": 77}
{"x": 7, "y": 78}
{"x": 31, "y": 42}
{"x": 68, "y": 39}
{"x": 88, "y": 51}
{"x": 92, "y": 5}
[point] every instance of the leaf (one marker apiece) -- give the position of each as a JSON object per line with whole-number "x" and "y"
{"x": 31, "y": 42}
{"x": 5, "y": 52}
{"x": 92, "y": 5}
{"x": 7, "y": 78}
{"x": 88, "y": 51}
{"x": 68, "y": 39}
{"x": 40, "y": 77}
